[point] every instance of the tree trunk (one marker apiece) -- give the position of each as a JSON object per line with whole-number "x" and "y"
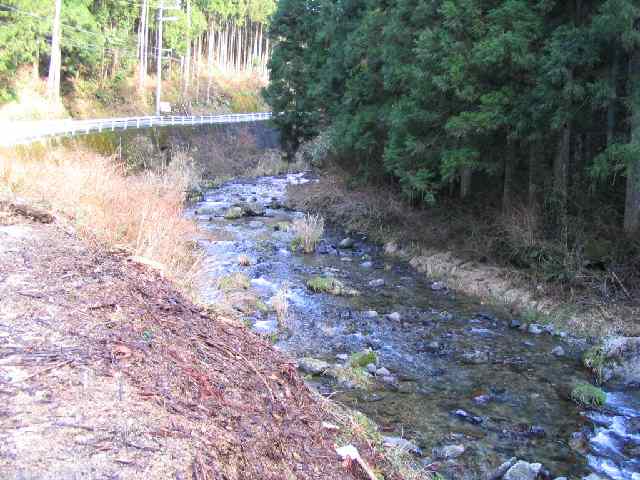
{"x": 560, "y": 165}
{"x": 509, "y": 173}
{"x": 187, "y": 57}
{"x": 142, "y": 37}
{"x": 534, "y": 177}
{"x": 465, "y": 182}
{"x": 613, "y": 94}
{"x": 632, "y": 202}
{"x": 53, "y": 82}
{"x": 210, "y": 62}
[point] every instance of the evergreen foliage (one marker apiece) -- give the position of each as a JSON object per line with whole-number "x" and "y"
{"x": 447, "y": 96}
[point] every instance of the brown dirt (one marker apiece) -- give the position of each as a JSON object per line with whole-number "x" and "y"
{"x": 107, "y": 371}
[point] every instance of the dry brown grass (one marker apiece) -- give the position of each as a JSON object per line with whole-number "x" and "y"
{"x": 139, "y": 213}
{"x": 308, "y": 231}
{"x": 280, "y": 303}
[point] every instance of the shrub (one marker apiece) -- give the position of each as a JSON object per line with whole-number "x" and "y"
{"x": 140, "y": 213}
{"x": 280, "y": 304}
{"x": 234, "y": 281}
{"x": 364, "y": 358}
{"x": 244, "y": 260}
{"x": 587, "y": 395}
{"x": 308, "y": 231}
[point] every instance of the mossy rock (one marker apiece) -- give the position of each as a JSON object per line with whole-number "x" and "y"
{"x": 330, "y": 285}
{"x": 588, "y": 395}
{"x": 234, "y": 213}
{"x": 235, "y": 281}
{"x": 364, "y": 358}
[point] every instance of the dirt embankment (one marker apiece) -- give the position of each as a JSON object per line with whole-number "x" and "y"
{"x": 107, "y": 371}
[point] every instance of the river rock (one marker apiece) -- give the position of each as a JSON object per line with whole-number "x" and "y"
{"x": 367, "y": 264}
{"x": 515, "y": 323}
{"x": 346, "y": 243}
{"x": 343, "y": 357}
{"x": 254, "y": 209}
{"x": 378, "y": 282}
{"x": 448, "y": 452}
{"x": 395, "y": 316}
{"x": 402, "y": 443}
{"x": 618, "y": 358}
{"x": 523, "y": 471}
{"x": 371, "y": 368}
{"x": 389, "y": 381}
{"x": 437, "y": 286}
{"x": 382, "y": 372}
{"x": 446, "y": 316}
{"x": 265, "y": 327}
{"x": 233, "y": 213}
{"x": 475, "y": 358}
{"x": 502, "y": 469}
{"x": 464, "y": 415}
{"x": 535, "y": 329}
{"x": 482, "y": 399}
{"x": 558, "y": 351}
{"x": 371, "y": 314}
{"x": 313, "y": 365}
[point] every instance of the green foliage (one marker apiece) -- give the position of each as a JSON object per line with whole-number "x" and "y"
{"x": 587, "y": 395}
{"x": 329, "y": 285}
{"x": 417, "y": 92}
{"x": 364, "y": 358}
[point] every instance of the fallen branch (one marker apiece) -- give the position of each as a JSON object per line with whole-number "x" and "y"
{"x": 27, "y": 211}
{"x": 48, "y": 369}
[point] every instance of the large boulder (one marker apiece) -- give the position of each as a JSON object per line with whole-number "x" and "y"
{"x": 252, "y": 209}
{"x": 617, "y": 358}
{"x": 523, "y": 471}
{"x": 313, "y": 366}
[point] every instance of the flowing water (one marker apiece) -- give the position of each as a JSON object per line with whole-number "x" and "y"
{"x": 459, "y": 374}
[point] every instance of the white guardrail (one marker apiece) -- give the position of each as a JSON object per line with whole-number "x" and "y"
{"x": 21, "y": 132}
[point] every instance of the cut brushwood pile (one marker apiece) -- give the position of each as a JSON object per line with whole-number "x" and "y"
{"x": 107, "y": 371}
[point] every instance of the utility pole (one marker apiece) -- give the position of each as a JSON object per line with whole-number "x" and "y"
{"x": 161, "y": 20}
{"x": 159, "y": 62}
{"x": 53, "y": 81}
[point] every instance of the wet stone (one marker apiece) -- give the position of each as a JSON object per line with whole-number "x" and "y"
{"x": 346, "y": 243}
{"x": 515, "y": 323}
{"x": 438, "y": 286}
{"x": 371, "y": 368}
{"x": 448, "y": 452}
{"x": 535, "y": 329}
{"x": 466, "y": 416}
{"x": 482, "y": 399}
{"x": 475, "y": 357}
{"x": 313, "y": 366}
{"x": 558, "y": 351}
{"x": 403, "y": 443}
{"x": 523, "y": 471}
{"x": 370, "y": 314}
{"x": 395, "y": 316}
{"x": 367, "y": 264}
{"x": 378, "y": 282}
{"x": 382, "y": 372}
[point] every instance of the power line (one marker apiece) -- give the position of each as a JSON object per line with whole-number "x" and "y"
{"x": 35, "y": 15}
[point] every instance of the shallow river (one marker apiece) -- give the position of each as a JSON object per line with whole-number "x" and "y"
{"x": 461, "y": 375}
